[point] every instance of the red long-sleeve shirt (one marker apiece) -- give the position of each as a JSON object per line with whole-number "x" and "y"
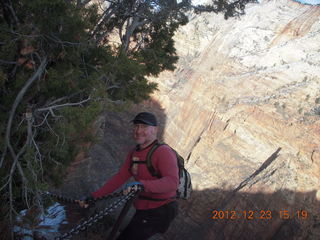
{"x": 165, "y": 163}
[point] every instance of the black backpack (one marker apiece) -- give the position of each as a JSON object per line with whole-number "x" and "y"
{"x": 185, "y": 186}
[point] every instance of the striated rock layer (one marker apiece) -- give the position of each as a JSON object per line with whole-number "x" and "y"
{"x": 244, "y": 88}
{"x": 243, "y": 107}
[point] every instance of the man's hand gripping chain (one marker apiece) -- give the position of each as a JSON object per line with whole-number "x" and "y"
{"x": 132, "y": 186}
{"x": 85, "y": 202}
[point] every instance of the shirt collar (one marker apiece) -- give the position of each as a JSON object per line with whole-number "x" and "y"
{"x": 141, "y": 149}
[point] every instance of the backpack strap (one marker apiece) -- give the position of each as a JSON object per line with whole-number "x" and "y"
{"x": 149, "y": 162}
{"x": 131, "y": 163}
{"x": 134, "y": 161}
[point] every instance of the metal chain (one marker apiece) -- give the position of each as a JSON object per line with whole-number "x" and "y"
{"x": 98, "y": 216}
{"x": 72, "y": 200}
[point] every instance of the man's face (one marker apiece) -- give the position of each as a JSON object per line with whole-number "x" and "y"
{"x": 144, "y": 134}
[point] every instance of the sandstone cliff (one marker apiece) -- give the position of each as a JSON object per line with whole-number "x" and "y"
{"x": 243, "y": 107}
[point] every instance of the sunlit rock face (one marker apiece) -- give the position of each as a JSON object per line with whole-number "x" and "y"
{"x": 243, "y": 108}
{"x": 242, "y": 89}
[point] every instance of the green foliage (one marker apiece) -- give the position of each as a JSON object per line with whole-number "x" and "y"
{"x": 159, "y": 53}
{"x": 63, "y": 101}
{"x": 47, "y": 114}
{"x": 229, "y": 8}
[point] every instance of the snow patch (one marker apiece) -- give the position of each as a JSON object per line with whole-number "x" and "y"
{"x": 49, "y": 223}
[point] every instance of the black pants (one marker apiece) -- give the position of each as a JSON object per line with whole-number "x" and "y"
{"x": 146, "y": 223}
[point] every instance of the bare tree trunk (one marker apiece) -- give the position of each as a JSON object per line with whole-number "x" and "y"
{"x": 129, "y": 31}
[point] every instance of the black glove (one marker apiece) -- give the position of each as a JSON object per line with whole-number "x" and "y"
{"x": 86, "y": 201}
{"x": 89, "y": 200}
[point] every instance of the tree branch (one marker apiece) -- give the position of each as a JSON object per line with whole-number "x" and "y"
{"x": 104, "y": 18}
{"x": 50, "y": 128}
{"x": 17, "y": 101}
{"x": 129, "y": 31}
{"x": 81, "y": 3}
{"x": 7, "y": 62}
{"x": 63, "y": 105}
{"x": 12, "y": 12}
{"x": 43, "y": 121}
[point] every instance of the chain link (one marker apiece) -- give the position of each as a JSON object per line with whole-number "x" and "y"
{"x": 72, "y": 200}
{"x": 98, "y": 216}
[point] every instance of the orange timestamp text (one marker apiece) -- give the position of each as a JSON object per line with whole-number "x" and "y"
{"x": 287, "y": 214}
{"x": 258, "y": 214}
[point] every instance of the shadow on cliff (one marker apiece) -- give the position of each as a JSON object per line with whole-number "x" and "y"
{"x": 210, "y": 213}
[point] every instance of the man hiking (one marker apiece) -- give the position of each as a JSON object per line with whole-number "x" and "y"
{"x": 155, "y": 206}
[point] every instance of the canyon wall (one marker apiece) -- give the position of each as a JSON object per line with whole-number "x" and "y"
{"x": 243, "y": 89}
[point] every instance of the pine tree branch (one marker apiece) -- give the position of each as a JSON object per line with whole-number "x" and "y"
{"x": 43, "y": 121}
{"x": 8, "y": 6}
{"x": 16, "y": 164}
{"x": 129, "y": 31}
{"x": 51, "y": 108}
{"x": 111, "y": 9}
{"x": 38, "y": 155}
{"x": 7, "y": 62}
{"x": 17, "y": 101}
{"x": 58, "y": 40}
{"x": 50, "y": 128}
{"x": 81, "y": 3}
